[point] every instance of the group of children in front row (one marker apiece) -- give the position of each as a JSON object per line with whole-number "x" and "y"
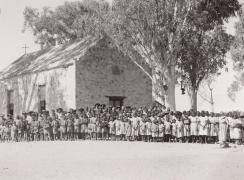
{"x": 154, "y": 124}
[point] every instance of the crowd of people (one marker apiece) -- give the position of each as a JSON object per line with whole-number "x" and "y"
{"x": 149, "y": 124}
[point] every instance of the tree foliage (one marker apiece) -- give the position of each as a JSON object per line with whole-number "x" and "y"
{"x": 237, "y": 53}
{"x": 175, "y": 34}
{"x": 205, "y": 44}
{"x": 152, "y": 28}
{"x": 203, "y": 53}
{"x": 69, "y": 21}
{"x": 155, "y": 28}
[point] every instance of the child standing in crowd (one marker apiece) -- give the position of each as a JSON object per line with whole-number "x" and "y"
{"x": 223, "y": 129}
{"x": 149, "y": 129}
{"x": 216, "y": 127}
{"x": 154, "y": 130}
{"x": 70, "y": 127}
{"x": 186, "y": 122}
{"x": 212, "y": 127}
{"x": 35, "y": 128}
{"x": 168, "y": 128}
{"x": 77, "y": 127}
{"x": 63, "y": 127}
{"x": 84, "y": 124}
{"x": 55, "y": 128}
{"x": 112, "y": 130}
{"x": 143, "y": 128}
{"x": 231, "y": 121}
{"x": 174, "y": 130}
{"x": 128, "y": 128}
{"x": 180, "y": 129}
{"x": 135, "y": 126}
{"x": 122, "y": 128}
{"x": 8, "y": 132}
{"x": 14, "y": 132}
{"x": 203, "y": 131}
{"x": 98, "y": 127}
{"x": 47, "y": 128}
{"x": 117, "y": 128}
{"x": 193, "y": 127}
{"x": 161, "y": 130}
{"x": 20, "y": 130}
{"x": 237, "y": 129}
{"x": 92, "y": 126}
{"x": 106, "y": 126}
{"x": 208, "y": 126}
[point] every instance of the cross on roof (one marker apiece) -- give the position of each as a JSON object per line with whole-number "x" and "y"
{"x": 25, "y": 47}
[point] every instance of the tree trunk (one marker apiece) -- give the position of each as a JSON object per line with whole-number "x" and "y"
{"x": 170, "y": 93}
{"x": 159, "y": 93}
{"x": 194, "y": 99}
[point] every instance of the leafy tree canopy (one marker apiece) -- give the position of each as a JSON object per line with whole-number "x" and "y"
{"x": 175, "y": 34}
{"x": 237, "y": 53}
{"x": 67, "y": 22}
{"x": 156, "y": 27}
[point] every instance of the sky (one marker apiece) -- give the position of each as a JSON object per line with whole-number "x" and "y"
{"x": 12, "y": 41}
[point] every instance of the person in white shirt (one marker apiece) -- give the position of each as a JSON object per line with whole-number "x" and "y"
{"x": 122, "y": 129}
{"x": 204, "y": 130}
{"x": 213, "y": 127}
{"x": 135, "y": 126}
{"x": 155, "y": 124}
{"x": 223, "y": 129}
{"x": 194, "y": 126}
{"x": 111, "y": 128}
{"x": 187, "y": 129}
{"x": 29, "y": 118}
{"x": 117, "y": 127}
{"x": 174, "y": 130}
{"x": 149, "y": 130}
{"x": 143, "y": 128}
{"x": 208, "y": 127}
{"x": 231, "y": 121}
{"x": 168, "y": 128}
{"x": 161, "y": 130}
{"x": 201, "y": 126}
{"x": 180, "y": 128}
{"x": 237, "y": 129}
{"x": 128, "y": 128}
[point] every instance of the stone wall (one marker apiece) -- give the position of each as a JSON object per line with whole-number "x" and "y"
{"x": 104, "y": 71}
{"x": 59, "y": 84}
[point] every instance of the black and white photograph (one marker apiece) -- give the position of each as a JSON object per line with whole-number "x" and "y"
{"x": 121, "y": 89}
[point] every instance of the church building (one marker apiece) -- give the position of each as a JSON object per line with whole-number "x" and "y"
{"x": 74, "y": 75}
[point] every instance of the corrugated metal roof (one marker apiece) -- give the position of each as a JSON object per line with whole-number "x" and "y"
{"x": 48, "y": 58}
{"x": 62, "y": 56}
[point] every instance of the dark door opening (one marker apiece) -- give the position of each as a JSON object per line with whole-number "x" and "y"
{"x": 10, "y": 102}
{"x": 42, "y": 98}
{"x": 116, "y": 101}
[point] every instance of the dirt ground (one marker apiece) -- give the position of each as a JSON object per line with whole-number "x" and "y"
{"x": 119, "y": 161}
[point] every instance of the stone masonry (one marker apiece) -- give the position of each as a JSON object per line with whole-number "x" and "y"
{"x": 103, "y": 71}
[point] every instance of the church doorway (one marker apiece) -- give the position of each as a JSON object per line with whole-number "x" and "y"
{"x": 116, "y": 101}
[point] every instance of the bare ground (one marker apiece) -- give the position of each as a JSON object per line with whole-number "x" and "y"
{"x": 119, "y": 161}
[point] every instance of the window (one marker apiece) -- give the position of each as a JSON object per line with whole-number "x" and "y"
{"x": 116, "y": 101}
{"x": 42, "y": 97}
{"x": 10, "y": 102}
{"x": 116, "y": 70}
